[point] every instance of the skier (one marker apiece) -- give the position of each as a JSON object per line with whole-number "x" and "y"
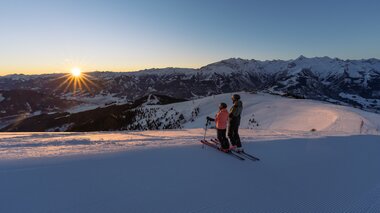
{"x": 234, "y": 122}
{"x": 221, "y": 119}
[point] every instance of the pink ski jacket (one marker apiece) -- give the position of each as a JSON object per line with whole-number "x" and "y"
{"x": 221, "y": 119}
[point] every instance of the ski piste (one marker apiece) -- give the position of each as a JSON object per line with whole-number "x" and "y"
{"x": 251, "y": 157}
{"x": 217, "y": 148}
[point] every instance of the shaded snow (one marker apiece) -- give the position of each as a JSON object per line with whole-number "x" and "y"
{"x": 323, "y": 174}
{"x": 358, "y": 99}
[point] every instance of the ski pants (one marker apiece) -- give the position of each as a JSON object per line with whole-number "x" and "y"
{"x": 221, "y": 134}
{"x": 233, "y": 132}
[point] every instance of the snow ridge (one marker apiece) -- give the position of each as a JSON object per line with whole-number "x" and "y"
{"x": 261, "y": 112}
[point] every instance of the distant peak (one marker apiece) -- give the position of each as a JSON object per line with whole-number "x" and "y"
{"x": 301, "y": 57}
{"x": 234, "y": 60}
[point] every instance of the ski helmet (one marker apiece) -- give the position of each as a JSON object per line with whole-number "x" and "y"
{"x": 223, "y": 105}
{"x": 236, "y": 97}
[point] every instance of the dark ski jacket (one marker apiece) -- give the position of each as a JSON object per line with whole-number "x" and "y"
{"x": 235, "y": 111}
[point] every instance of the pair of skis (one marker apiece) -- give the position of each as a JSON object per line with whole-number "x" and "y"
{"x": 214, "y": 143}
{"x": 243, "y": 153}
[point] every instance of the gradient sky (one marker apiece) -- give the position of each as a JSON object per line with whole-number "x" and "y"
{"x": 45, "y": 36}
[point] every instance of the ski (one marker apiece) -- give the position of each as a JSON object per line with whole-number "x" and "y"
{"x": 251, "y": 157}
{"x": 217, "y": 147}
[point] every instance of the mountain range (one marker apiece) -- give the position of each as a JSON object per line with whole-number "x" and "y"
{"x": 345, "y": 82}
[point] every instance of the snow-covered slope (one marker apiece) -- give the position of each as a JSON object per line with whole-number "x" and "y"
{"x": 265, "y": 117}
{"x": 169, "y": 171}
{"x": 154, "y": 112}
{"x": 331, "y": 169}
{"x": 264, "y": 111}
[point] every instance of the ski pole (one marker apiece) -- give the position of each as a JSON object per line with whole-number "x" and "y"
{"x": 204, "y": 137}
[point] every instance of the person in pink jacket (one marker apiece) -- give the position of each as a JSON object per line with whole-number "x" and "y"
{"x": 221, "y": 119}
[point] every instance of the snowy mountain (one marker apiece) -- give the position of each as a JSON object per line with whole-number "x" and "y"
{"x": 346, "y": 82}
{"x": 112, "y": 116}
{"x": 156, "y": 112}
{"x": 15, "y": 102}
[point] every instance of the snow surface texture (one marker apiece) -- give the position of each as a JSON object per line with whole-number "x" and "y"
{"x": 332, "y": 169}
{"x": 324, "y": 174}
{"x": 37, "y": 145}
{"x": 266, "y": 112}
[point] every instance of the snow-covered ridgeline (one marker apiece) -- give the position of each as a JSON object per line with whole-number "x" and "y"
{"x": 264, "y": 112}
{"x": 323, "y": 66}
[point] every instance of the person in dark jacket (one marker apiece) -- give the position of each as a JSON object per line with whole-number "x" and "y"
{"x": 234, "y": 122}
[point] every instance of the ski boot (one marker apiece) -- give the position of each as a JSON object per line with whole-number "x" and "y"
{"x": 233, "y": 147}
{"x": 225, "y": 150}
{"x": 239, "y": 150}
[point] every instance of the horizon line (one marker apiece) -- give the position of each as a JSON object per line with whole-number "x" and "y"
{"x": 174, "y": 67}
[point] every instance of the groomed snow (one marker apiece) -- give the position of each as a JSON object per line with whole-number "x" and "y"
{"x": 320, "y": 174}
{"x": 39, "y": 145}
{"x": 333, "y": 169}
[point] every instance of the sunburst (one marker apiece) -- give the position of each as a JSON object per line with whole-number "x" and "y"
{"x": 76, "y": 80}
{"x": 76, "y": 72}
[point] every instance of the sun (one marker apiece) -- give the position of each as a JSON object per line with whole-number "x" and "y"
{"x": 76, "y": 72}
{"x": 80, "y": 82}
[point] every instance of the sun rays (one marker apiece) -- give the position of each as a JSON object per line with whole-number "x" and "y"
{"x": 77, "y": 82}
